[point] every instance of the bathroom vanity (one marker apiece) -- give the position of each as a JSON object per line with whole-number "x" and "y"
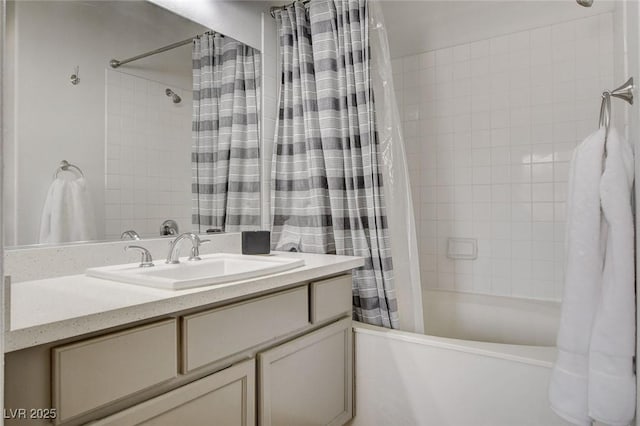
{"x": 272, "y": 350}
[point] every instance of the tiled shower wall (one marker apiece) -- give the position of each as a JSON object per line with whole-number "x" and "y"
{"x": 489, "y": 130}
{"x": 148, "y": 151}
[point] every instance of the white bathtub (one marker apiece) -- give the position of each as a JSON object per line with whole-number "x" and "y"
{"x": 494, "y": 319}
{"x": 412, "y": 379}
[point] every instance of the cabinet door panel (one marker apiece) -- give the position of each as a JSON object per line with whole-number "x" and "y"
{"x": 308, "y": 381}
{"x": 226, "y": 398}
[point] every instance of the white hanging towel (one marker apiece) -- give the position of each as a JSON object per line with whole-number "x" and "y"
{"x": 568, "y": 390}
{"x": 68, "y": 213}
{"x": 593, "y": 377}
{"x": 612, "y": 383}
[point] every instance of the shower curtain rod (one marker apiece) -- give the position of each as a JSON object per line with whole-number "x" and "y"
{"x": 274, "y": 8}
{"x": 115, "y": 63}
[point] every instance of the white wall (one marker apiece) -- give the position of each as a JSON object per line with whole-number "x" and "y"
{"x": 421, "y": 26}
{"x": 490, "y": 127}
{"x": 7, "y": 218}
{"x": 3, "y": 308}
{"x": 241, "y": 20}
{"x": 55, "y": 120}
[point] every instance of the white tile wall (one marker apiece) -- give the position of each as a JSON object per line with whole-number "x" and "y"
{"x": 148, "y": 156}
{"x": 489, "y": 130}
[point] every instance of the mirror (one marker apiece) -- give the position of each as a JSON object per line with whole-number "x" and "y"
{"x": 139, "y": 154}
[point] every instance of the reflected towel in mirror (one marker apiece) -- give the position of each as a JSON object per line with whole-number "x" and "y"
{"x": 68, "y": 213}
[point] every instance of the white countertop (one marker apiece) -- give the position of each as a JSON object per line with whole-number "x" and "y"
{"x": 47, "y": 310}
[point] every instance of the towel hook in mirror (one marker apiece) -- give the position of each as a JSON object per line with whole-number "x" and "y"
{"x": 65, "y": 166}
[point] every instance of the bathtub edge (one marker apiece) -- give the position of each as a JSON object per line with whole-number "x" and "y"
{"x": 494, "y": 350}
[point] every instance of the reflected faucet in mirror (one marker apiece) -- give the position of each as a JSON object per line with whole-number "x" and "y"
{"x": 169, "y": 227}
{"x": 130, "y": 235}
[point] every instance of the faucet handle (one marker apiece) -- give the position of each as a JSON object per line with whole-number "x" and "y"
{"x": 195, "y": 250}
{"x": 146, "y": 260}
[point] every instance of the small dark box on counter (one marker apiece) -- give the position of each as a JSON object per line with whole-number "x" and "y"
{"x": 256, "y": 242}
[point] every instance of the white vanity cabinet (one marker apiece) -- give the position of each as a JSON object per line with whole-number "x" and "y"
{"x": 275, "y": 358}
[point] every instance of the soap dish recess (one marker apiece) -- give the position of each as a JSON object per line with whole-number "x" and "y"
{"x": 462, "y": 248}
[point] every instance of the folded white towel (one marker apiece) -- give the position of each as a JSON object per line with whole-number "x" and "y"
{"x": 68, "y": 213}
{"x": 568, "y": 391}
{"x": 612, "y": 383}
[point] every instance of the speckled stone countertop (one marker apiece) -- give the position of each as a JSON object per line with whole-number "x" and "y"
{"x": 47, "y": 310}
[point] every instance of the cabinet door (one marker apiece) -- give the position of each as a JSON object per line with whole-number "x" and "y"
{"x": 308, "y": 381}
{"x": 226, "y": 398}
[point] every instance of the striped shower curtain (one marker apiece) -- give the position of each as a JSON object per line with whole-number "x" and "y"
{"x": 327, "y": 194}
{"x": 225, "y": 134}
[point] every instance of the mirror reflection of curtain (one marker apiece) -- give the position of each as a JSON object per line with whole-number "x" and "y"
{"x": 225, "y": 134}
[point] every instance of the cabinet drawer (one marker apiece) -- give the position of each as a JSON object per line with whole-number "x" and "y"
{"x": 331, "y": 298}
{"x": 223, "y": 398}
{"x": 95, "y": 372}
{"x": 213, "y": 335}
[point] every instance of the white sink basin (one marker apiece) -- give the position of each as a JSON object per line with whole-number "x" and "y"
{"x": 212, "y": 269}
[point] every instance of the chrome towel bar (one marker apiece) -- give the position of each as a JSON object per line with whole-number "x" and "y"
{"x": 624, "y": 92}
{"x": 66, "y": 166}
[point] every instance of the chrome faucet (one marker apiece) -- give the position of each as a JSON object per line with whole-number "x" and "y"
{"x": 174, "y": 246}
{"x": 146, "y": 260}
{"x": 130, "y": 234}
